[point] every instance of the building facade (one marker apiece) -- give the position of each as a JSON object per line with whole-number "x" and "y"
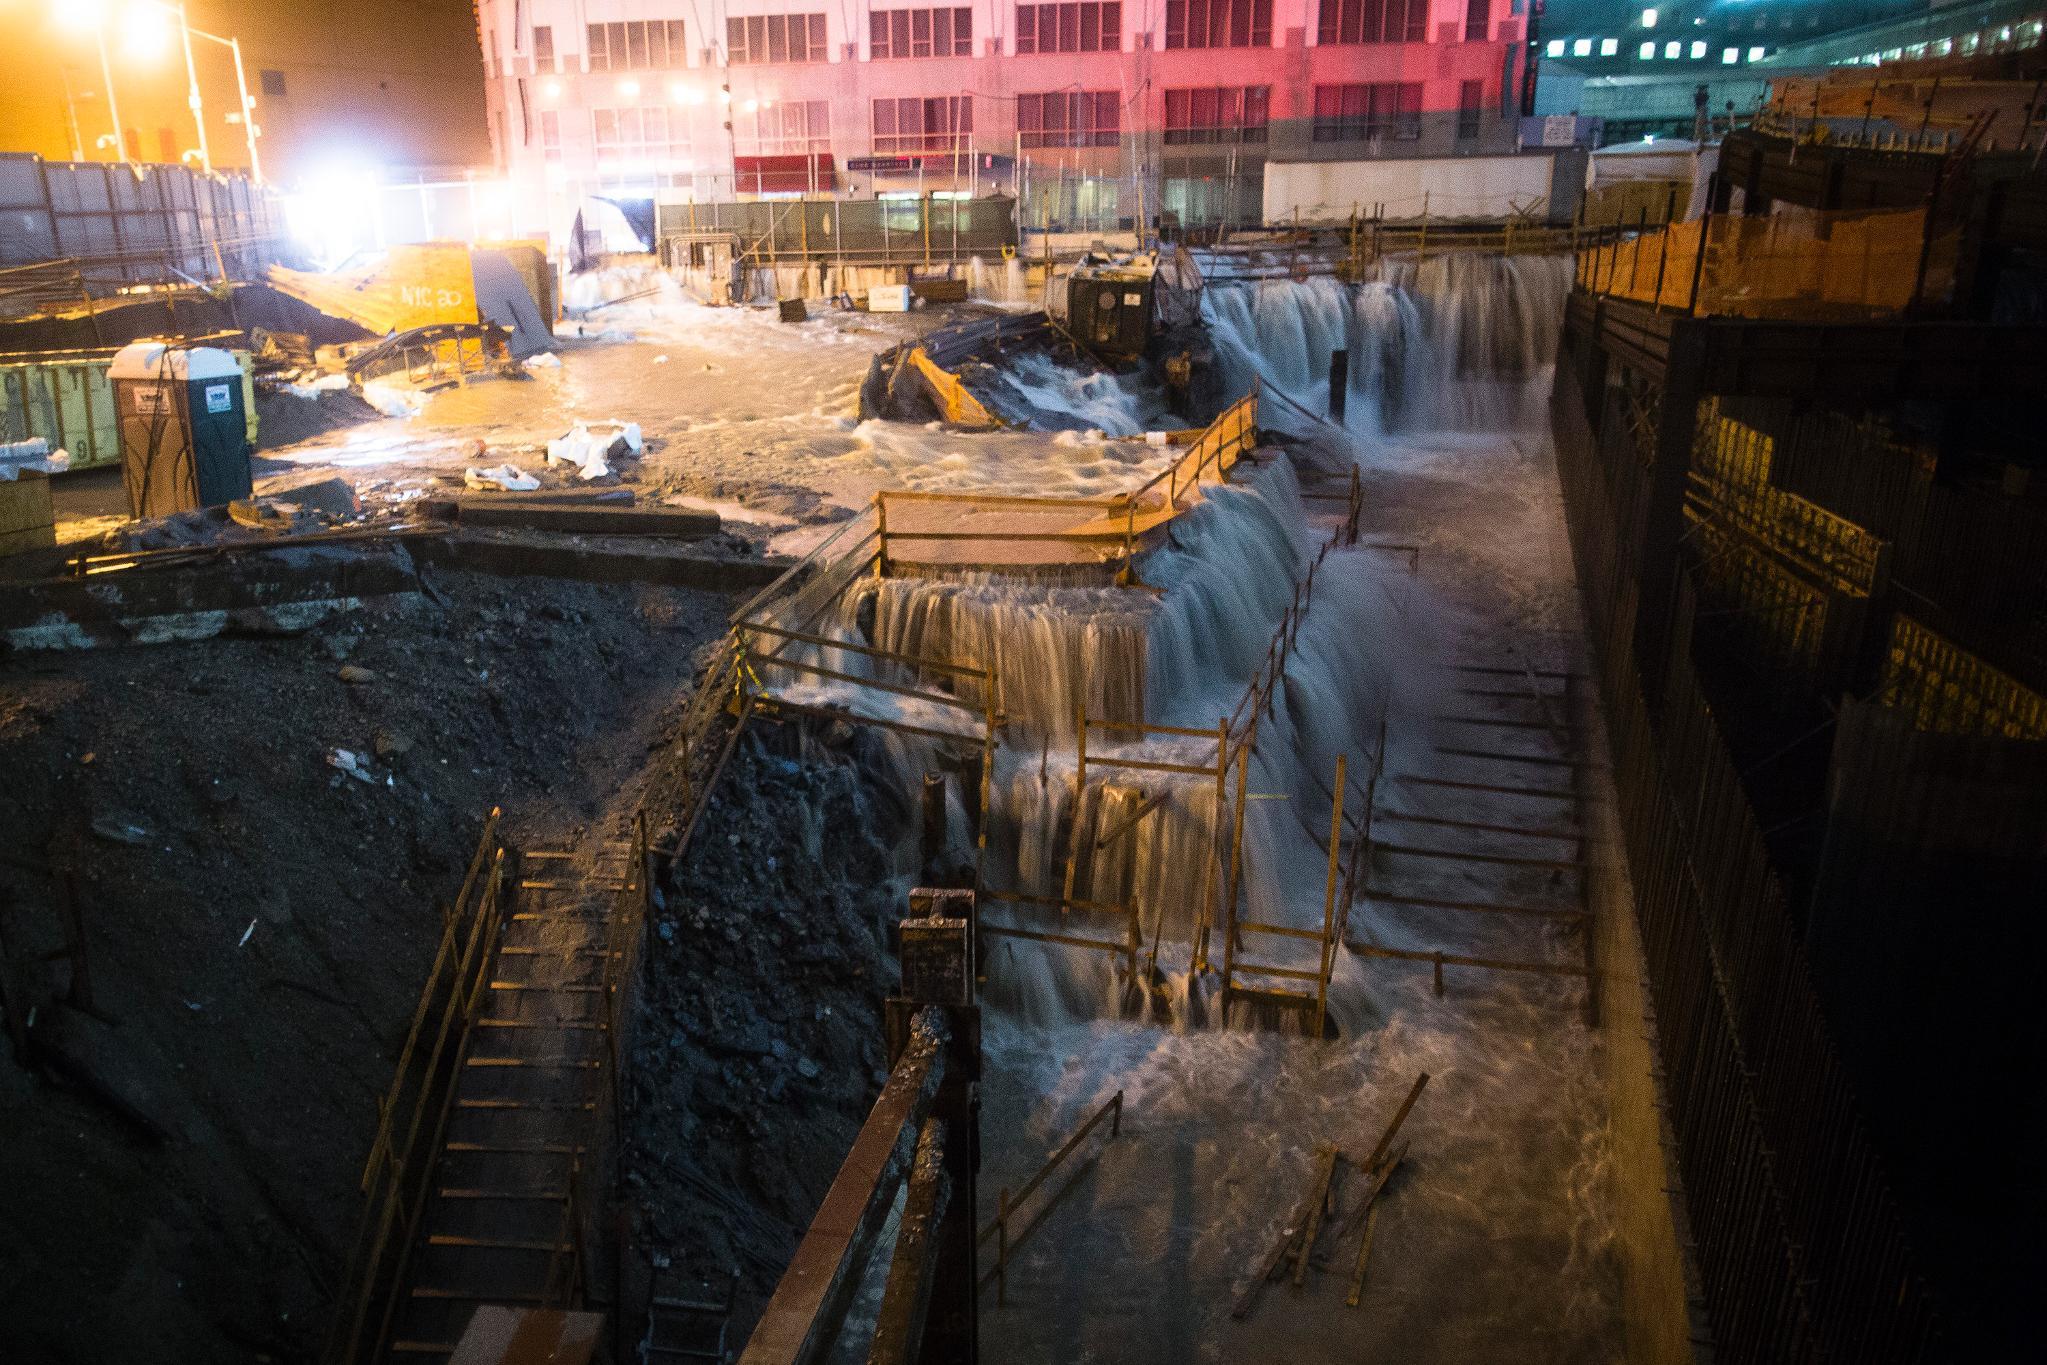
{"x": 1640, "y": 67}
{"x": 1093, "y": 112}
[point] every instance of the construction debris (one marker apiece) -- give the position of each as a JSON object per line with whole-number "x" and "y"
{"x": 591, "y": 449}
{"x": 1295, "y": 1243}
{"x": 504, "y": 477}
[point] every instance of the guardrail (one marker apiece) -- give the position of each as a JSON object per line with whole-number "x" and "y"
{"x": 900, "y": 1144}
{"x": 413, "y": 1116}
{"x": 1007, "y": 1204}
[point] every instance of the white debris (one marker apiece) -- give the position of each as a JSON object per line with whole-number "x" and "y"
{"x": 509, "y": 478}
{"x": 393, "y": 400}
{"x": 246, "y": 933}
{"x": 546, "y": 360}
{"x": 34, "y": 453}
{"x": 348, "y": 761}
{"x": 660, "y": 360}
{"x": 590, "y": 449}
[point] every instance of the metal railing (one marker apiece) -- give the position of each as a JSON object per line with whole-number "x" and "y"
{"x": 1007, "y": 1204}
{"x": 413, "y": 1117}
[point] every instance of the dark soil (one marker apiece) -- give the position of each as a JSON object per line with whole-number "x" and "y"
{"x": 260, "y": 924}
{"x": 759, "y": 1045}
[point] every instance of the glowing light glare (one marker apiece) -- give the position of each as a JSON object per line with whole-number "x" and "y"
{"x": 751, "y": 105}
{"x": 553, "y": 90}
{"x": 78, "y": 16}
{"x": 332, "y": 216}
{"x": 145, "y": 33}
{"x": 629, "y": 88}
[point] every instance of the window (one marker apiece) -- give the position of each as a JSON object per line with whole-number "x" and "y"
{"x": 1477, "y": 13}
{"x": 1648, "y": 18}
{"x": 1755, "y": 54}
{"x": 1358, "y": 113}
{"x": 921, "y": 32}
{"x": 1218, "y": 23}
{"x": 1698, "y": 51}
{"x": 638, "y": 136}
{"x": 1091, "y": 26}
{"x": 1224, "y": 115}
{"x": 788, "y": 128}
{"x": 1470, "y": 109}
{"x": 774, "y": 38}
{"x": 543, "y": 48}
{"x": 640, "y": 45}
{"x": 1582, "y": 48}
{"x": 1671, "y": 49}
{"x": 944, "y": 124}
{"x": 1069, "y": 118}
{"x": 1609, "y": 46}
{"x": 273, "y": 84}
{"x": 550, "y": 135}
{"x": 1729, "y": 56}
{"x": 1648, "y": 51}
{"x": 1373, "y": 21}
{"x": 1556, "y": 47}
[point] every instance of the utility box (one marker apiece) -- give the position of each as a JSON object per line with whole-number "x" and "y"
{"x": 1109, "y": 309}
{"x": 183, "y": 427}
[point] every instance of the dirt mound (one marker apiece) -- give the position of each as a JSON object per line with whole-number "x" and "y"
{"x": 759, "y": 1044}
{"x": 181, "y": 1173}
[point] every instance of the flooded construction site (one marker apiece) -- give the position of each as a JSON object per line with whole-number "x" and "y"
{"x": 1300, "y": 799}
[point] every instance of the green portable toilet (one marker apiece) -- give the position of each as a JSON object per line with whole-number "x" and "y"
{"x": 184, "y": 429}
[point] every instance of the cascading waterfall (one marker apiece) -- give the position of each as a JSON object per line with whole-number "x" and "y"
{"x": 1460, "y": 342}
{"x": 1052, "y": 649}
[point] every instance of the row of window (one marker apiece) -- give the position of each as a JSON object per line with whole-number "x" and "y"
{"x": 1070, "y": 118}
{"x": 1673, "y": 50}
{"x": 1072, "y": 26}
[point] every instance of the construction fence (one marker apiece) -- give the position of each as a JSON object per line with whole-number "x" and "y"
{"x": 923, "y": 228}
{"x": 113, "y": 226}
{"x": 1792, "y": 263}
{"x": 1800, "y": 1243}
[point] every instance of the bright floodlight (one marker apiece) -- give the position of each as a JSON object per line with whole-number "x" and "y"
{"x": 80, "y": 16}
{"x": 145, "y": 32}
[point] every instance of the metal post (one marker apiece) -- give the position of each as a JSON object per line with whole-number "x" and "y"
{"x": 99, "y": 36}
{"x": 1663, "y": 252}
{"x": 248, "y": 111}
{"x": 192, "y": 90}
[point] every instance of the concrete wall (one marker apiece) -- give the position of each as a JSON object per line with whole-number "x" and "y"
{"x": 1661, "y": 1310}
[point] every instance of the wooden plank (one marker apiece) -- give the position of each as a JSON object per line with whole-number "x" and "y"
{"x": 1371, "y": 1207}
{"x": 593, "y": 519}
{"x": 1268, "y": 1265}
{"x": 1478, "y": 907}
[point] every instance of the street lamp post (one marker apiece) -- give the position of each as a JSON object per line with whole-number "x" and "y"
{"x": 99, "y": 37}
{"x": 192, "y": 97}
{"x": 192, "y": 91}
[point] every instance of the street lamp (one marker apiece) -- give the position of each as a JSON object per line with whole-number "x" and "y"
{"x": 92, "y": 12}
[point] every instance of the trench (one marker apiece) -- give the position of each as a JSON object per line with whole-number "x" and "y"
{"x": 1144, "y": 781}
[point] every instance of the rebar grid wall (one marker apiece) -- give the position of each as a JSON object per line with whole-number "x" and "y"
{"x": 1798, "y": 1243}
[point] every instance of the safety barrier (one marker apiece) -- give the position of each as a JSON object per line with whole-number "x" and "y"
{"x": 1063, "y": 530}
{"x": 1006, "y": 1204}
{"x": 1788, "y": 264}
{"x": 413, "y": 1116}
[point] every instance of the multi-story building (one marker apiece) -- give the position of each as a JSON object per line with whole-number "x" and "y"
{"x": 1094, "y": 112}
{"x": 1641, "y": 65}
